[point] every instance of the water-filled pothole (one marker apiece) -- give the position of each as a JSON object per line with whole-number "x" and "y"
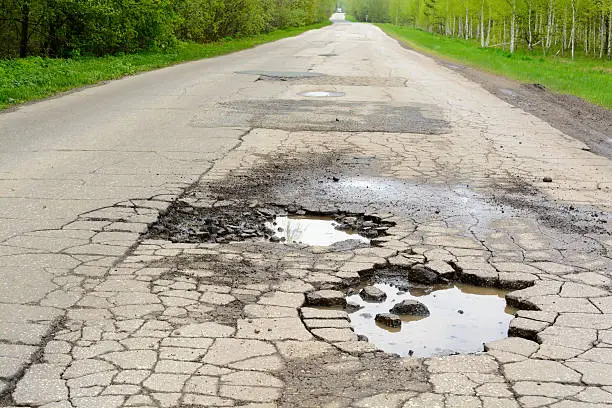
{"x": 312, "y": 230}
{"x": 229, "y": 221}
{"x": 461, "y": 318}
{"x": 321, "y": 94}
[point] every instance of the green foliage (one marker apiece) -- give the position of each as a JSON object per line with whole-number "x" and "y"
{"x": 552, "y": 27}
{"x": 585, "y": 77}
{"x": 67, "y": 28}
{"x": 26, "y": 79}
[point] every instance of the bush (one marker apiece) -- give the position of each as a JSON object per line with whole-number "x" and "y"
{"x": 73, "y": 28}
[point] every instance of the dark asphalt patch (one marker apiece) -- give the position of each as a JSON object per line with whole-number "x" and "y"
{"x": 323, "y": 116}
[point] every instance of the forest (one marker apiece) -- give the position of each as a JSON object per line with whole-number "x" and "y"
{"x": 69, "y": 28}
{"x": 551, "y": 27}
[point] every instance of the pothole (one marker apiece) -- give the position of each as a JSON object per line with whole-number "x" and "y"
{"x": 418, "y": 307}
{"x": 434, "y": 320}
{"x": 322, "y": 94}
{"x": 312, "y": 230}
{"x": 232, "y": 221}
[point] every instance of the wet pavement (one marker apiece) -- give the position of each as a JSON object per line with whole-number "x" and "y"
{"x": 446, "y": 181}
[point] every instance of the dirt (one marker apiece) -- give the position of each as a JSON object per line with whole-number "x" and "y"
{"x": 345, "y": 187}
{"x": 570, "y": 114}
{"x": 244, "y": 208}
{"x": 566, "y": 218}
{"x": 328, "y": 378}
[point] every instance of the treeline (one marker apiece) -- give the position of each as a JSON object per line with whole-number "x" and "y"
{"x": 557, "y": 27}
{"x": 64, "y": 28}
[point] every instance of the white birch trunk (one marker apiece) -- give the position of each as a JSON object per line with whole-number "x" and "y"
{"x": 530, "y": 34}
{"x": 610, "y": 34}
{"x": 564, "y": 45}
{"x": 549, "y": 27}
{"x": 489, "y": 29}
{"x": 482, "y": 32}
{"x": 602, "y": 35}
{"x": 467, "y": 22}
{"x": 573, "y": 32}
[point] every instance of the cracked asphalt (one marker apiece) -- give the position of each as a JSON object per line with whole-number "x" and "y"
{"x": 95, "y": 314}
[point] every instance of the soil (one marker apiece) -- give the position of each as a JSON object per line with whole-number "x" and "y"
{"x": 238, "y": 209}
{"x": 345, "y": 187}
{"x": 570, "y": 114}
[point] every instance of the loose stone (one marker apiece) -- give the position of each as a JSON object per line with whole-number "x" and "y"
{"x": 388, "y": 319}
{"x": 326, "y": 298}
{"x": 410, "y": 307}
{"x": 372, "y": 293}
{"x": 422, "y": 274}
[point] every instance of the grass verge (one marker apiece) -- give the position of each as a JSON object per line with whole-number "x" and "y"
{"x": 590, "y": 79}
{"x": 27, "y": 79}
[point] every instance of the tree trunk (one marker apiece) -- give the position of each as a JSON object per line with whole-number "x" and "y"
{"x": 447, "y": 28}
{"x": 549, "y": 26}
{"x": 25, "y": 29}
{"x": 602, "y": 37}
{"x": 482, "y": 32}
{"x": 489, "y": 29}
{"x": 504, "y": 35}
{"x": 467, "y": 23}
{"x": 573, "y": 30}
{"x": 512, "y": 27}
{"x": 610, "y": 34}
{"x": 564, "y": 45}
{"x": 530, "y": 34}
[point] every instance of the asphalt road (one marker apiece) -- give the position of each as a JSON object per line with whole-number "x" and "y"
{"x": 84, "y": 174}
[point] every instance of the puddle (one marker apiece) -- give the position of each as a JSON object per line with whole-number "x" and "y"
{"x": 321, "y": 94}
{"x": 309, "y": 230}
{"x": 462, "y": 318}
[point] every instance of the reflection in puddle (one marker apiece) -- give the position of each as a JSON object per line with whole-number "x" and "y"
{"x": 320, "y": 231}
{"x": 321, "y": 94}
{"x": 462, "y": 318}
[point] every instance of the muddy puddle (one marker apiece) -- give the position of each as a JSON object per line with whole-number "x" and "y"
{"x": 460, "y": 319}
{"x": 311, "y": 230}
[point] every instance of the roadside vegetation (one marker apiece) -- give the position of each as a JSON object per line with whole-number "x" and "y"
{"x": 31, "y": 78}
{"x": 48, "y": 46}
{"x": 565, "y": 45}
{"x": 548, "y": 27}
{"x": 585, "y": 77}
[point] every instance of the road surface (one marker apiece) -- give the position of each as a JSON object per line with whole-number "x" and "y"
{"x": 340, "y": 121}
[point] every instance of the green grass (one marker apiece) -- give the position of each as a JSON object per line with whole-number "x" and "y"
{"x": 27, "y": 79}
{"x": 590, "y": 79}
